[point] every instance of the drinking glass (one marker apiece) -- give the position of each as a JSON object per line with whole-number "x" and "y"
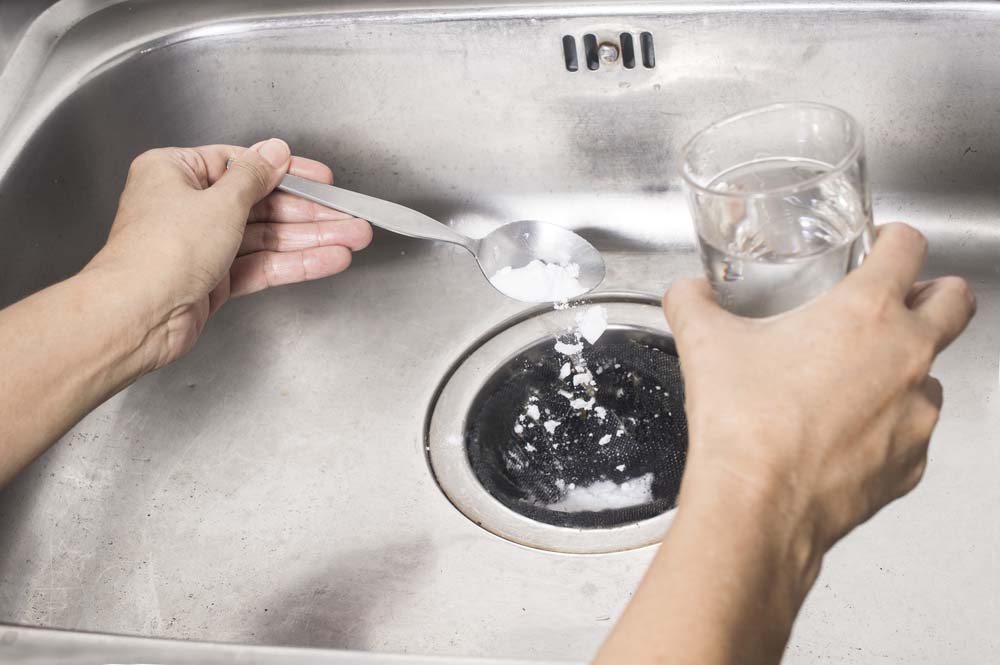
{"x": 780, "y": 201}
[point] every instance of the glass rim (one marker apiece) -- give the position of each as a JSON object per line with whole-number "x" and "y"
{"x": 854, "y": 151}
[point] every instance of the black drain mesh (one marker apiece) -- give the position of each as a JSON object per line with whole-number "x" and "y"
{"x": 528, "y": 468}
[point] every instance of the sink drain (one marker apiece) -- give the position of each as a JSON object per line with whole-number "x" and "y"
{"x": 541, "y": 459}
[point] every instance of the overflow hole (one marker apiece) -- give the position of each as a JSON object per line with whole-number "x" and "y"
{"x": 569, "y": 53}
{"x": 590, "y": 52}
{"x": 648, "y": 55}
{"x": 628, "y": 50}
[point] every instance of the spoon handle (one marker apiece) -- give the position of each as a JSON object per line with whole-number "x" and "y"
{"x": 384, "y": 214}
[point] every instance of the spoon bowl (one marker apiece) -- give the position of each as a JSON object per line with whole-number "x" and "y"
{"x": 570, "y": 266}
{"x": 529, "y": 261}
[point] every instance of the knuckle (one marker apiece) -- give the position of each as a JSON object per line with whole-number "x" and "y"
{"x": 270, "y": 238}
{"x": 918, "y": 426}
{"x": 961, "y": 290}
{"x": 268, "y": 269}
{"x": 908, "y": 236}
{"x": 257, "y": 173}
{"x": 145, "y": 159}
{"x": 936, "y": 390}
{"x": 917, "y": 239}
{"x": 193, "y": 162}
{"x": 931, "y": 416}
{"x": 875, "y": 304}
{"x": 915, "y": 474}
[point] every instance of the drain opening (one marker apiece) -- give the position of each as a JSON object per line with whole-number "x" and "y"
{"x": 606, "y": 452}
{"x": 616, "y": 463}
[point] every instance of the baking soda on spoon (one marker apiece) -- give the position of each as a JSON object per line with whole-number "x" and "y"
{"x": 540, "y": 281}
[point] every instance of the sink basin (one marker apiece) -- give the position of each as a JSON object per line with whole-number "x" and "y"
{"x": 272, "y": 488}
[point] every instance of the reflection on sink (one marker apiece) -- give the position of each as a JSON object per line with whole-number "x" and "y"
{"x": 272, "y": 487}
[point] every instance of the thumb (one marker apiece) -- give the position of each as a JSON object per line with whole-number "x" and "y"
{"x": 256, "y": 172}
{"x": 690, "y": 302}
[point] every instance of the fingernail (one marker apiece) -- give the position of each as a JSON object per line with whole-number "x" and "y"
{"x": 275, "y": 151}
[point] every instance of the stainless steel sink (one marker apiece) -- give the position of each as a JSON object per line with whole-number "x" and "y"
{"x": 272, "y": 488}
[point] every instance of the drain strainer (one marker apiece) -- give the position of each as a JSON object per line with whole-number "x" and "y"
{"x": 540, "y": 457}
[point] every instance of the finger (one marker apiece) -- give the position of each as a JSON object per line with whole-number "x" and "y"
{"x": 691, "y": 302}
{"x": 254, "y": 173}
{"x": 946, "y": 305}
{"x": 311, "y": 169}
{"x": 210, "y": 162}
{"x": 261, "y": 270}
{"x": 895, "y": 260}
{"x": 354, "y": 234}
{"x": 282, "y": 207}
{"x": 918, "y": 293}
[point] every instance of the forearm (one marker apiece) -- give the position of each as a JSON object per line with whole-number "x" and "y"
{"x": 63, "y": 351}
{"x": 724, "y": 588}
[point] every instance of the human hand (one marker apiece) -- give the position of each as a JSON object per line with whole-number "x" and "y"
{"x": 182, "y": 230}
{"x": 800, "y": 427}
{"x": 824, "y": 412}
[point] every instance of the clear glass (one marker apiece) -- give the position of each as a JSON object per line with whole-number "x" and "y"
{"x": 780, "y": 201}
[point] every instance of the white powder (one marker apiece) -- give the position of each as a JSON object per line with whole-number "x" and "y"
{"x": 564, "y": 371}
{"x": 605, "y": 495}
{"x": 583, "y": 378}
{"x": 539, "y": 282}
{"x": 592, "y": 322}
{"x": 620, "y": 467}
{"x": 581, "y": 404}
{"x": 518, "y": 429}
{"x": 568, "y": 349}
{"x": 601, "y": 412}
{"x": 551, "y": 425}
{"x": 604, "y": 440}
{"x": 533, "y": 412}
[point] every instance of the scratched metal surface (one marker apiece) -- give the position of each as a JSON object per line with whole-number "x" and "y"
{"x": 271, "y": 488}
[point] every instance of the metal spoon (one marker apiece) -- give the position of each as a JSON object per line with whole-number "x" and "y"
{"x": 512, "y": 245}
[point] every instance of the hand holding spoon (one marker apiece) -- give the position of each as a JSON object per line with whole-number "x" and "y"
{"x": 513, "y": 257}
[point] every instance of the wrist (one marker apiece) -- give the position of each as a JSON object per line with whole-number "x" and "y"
{"x": 132, "y": 308}
{"x": 731, "y": 574}
{"x": 763, "y": 513}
